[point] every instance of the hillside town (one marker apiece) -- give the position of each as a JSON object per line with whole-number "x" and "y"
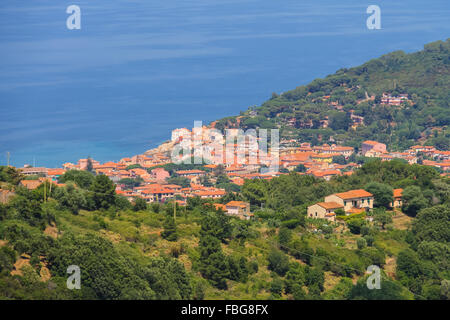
{"x": 146, "y": 175}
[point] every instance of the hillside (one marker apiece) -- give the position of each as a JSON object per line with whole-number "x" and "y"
{"x": 347, "y": 106}
{"x": 137, "y": 247}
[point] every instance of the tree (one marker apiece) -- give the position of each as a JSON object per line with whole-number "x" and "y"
{"x": 284, "y": 237}
{"x": 300, "y": 168}
{"x": 83, "y": 179}
{"x": 140, "y": 204}
{"x": 340, "y": 159}
{"x": 10, "y": 175}
{"x": 413, "y": 200}
{"x": 90, "y": 166}
{"x": 170, "y": 229}
{"x": 361, "y": 243}
{"x": 383, "y": 194}
{"x": 254, "y": 192}
{"x": 276, "y": 286}
{"x": 131, "y": 183}
{"x": 213, "y": 264}
{"x": 382, "y": 217}
{"x": 71, "y": 198}
{"x": 217, "y": 225}
{"x": 103, "y": 192}
{"x": 340, "y": 121}
{"x": 278, "y": 262}
{"x": 355, "y": 225}
{"x": 433, "y": 224}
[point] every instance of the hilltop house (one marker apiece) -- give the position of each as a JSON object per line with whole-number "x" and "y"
{"x": 239, "y": 209}
{"x": 353, "y": 199}
{"x": 397, "y": 203}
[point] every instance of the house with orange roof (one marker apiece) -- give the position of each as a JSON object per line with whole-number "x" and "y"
{"x": 397, "y": 196}
{"x": 325, "y": 174}
{"x": 210, "y": 194}
{"x": 359, "y": 198}
{"x": 157, "y": 193}
{"x": 324, "y": 210}
{"x": 30, "y": 184}
{"x": 371, "y": 148}
{"x": 54, "y": 174}
{"x": 239, "y": 209}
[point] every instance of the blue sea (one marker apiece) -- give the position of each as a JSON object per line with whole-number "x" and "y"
{"x": 138, "y": 69}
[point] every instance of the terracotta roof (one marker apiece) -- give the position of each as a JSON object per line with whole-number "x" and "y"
{"x": 359, "y": 193}
{"x": 330, "y": 205}
{"x": 190, "y": 171}
{"x": 31, "y": 184}
{"x": 241, "y": 204}
{"x": 55, "y": 172}
{"x": 398, "y": 193}
{"x": 371, "y": 142}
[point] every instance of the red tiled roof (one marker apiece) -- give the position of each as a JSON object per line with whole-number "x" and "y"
{"x": 359, "y": 193}
{"x": 398, "y": 193}
{"x": 330, "y": 205}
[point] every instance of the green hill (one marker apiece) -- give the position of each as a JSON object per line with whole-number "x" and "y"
{"x": 424, "y": 76}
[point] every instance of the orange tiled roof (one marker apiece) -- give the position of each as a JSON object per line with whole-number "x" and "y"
{"x": 31, "y": 184}
{"x": 55, "y": 172}
{"x": 241, "y": 204}
{"x": 371, "y": 142}
{"x": 359, "y": 193}
{"x": 330, "y": 205}
{"x": 398, "y": 193}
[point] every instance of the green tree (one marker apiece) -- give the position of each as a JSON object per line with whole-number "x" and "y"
{"x": 170, "y": 229}
{"x": 71, "y": 197}
{"x": 413, "y": 200}
{"x": 212, "y": 264}
{"x": 278, "y": 262}
{"x": 383, "y": 194}
{"x": 140, "y": 204}
{"x": 103, "y": 192}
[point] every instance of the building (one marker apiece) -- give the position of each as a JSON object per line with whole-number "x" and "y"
{"x": 159, "y": 174}
{"x": 239, "y": 209}
{"x": 31, "y": 171}
{"x": 30, "y": 184}
{"x": 353, "y": 199}
{"x": 83, "y": 163}
{"x": 324, "y": 210}
{"x": 371, "y": 148}
{"x": 180, "y": 133}
{"x": 191, "y": 173}
{"x": 397, "y": 203}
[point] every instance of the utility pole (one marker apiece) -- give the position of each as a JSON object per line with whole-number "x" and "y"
{"x": 45, "y": 190}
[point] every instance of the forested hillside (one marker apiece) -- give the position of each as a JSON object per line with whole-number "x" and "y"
{"x": 138, "y": 251}
{"x": 330, "y": 107}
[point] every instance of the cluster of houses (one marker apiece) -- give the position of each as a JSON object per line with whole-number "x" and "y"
{"x": 318, "y": 161}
